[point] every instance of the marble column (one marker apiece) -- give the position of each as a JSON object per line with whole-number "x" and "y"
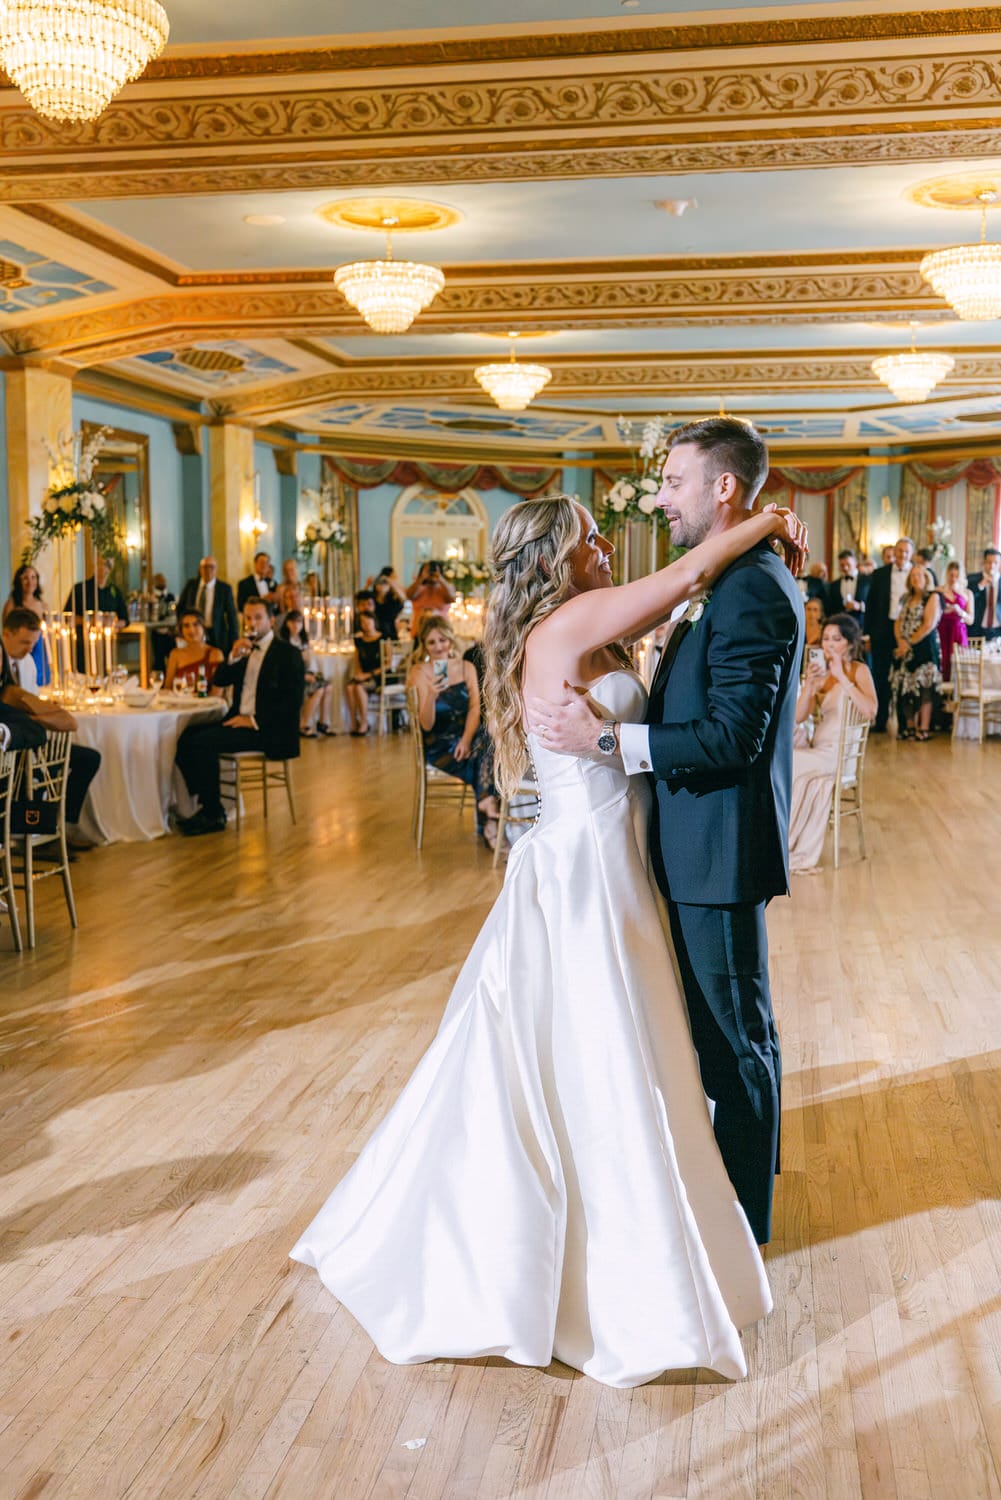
{"x": 39, "y": 409}
{"x": 231, "y": 498}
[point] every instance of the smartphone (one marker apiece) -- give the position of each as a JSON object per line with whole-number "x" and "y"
{"x": 440, "y": 670}
{"x": 816, "y": 658}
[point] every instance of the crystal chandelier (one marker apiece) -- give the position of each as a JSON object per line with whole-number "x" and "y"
{"x": 969, "y": 276}
{"x": 70, "y": 57}
{"x": 389, "y": 293}
{"x": 512, "y": 385}
{"x": 914, "y": 375}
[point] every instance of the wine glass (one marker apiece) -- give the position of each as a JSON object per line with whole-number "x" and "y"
{"x": 156, "y": 681}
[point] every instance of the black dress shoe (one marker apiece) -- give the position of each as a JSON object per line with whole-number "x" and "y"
{"x": 204, "y": 823}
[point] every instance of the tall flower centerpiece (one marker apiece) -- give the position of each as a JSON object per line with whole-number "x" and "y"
{"x": 327, "y": 538}
{"x": 464, "y": 575}
{"x": 633, "y": 497}
{"x": 940, "y": 537}
{"x": 75, "y": 508}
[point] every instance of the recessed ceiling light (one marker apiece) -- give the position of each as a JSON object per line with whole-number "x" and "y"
{"x": 676, "y": 206}
{"x": 264, "y": 221}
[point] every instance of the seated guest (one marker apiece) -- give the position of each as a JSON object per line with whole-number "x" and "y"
{"x": 814, "y": 613}
{"x": 26, "y": 593}
{"x": 367, "y": 674}
{"x": 917, "y": 670}
{"x": 957, "y": 614}
{"x": 847, "y": 593}
{"x": 389, "y": 602}
{"x": 213, "y": 600}
{"x": 815, "y": 757}
{"x": 816, "y": 582}
{"x": 266, "y": 677}
{"x": 260, "y": 584}
{"x": 986, "y": 588}
{"x": 194, "y": 656}
{"x": 95, "y": 593}
{"x": 20, "y": 632}
{"x": 448, "y": 706}
{"x": 316, "y": 693}
{"x": 429, "y": 594}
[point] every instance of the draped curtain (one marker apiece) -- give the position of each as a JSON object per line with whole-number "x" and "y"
{"x": 967, "y": 492}
{"x": 843, "y": 522}
{"x": 519, "y": 479}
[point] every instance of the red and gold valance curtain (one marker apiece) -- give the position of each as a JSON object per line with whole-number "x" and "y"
{"x": 518, "y": 479}
{"x": 842, "y": 522}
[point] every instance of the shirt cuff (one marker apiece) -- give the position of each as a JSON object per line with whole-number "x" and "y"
{"x": 4, "y": 736}
{"x": 634, "y": 747}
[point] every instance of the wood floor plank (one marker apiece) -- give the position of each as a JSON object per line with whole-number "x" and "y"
{"x": 188, "y": 1075}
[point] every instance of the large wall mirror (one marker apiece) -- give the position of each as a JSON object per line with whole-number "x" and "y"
{"x": 122, "y": 471}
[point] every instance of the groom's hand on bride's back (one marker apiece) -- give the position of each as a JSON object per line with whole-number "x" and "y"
{"x": 568, "y": 726}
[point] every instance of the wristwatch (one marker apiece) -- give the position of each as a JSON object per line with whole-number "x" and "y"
{"x": 607, "y": 743}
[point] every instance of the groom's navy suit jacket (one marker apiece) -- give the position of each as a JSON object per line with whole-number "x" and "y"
{"x": 721, "y": 720}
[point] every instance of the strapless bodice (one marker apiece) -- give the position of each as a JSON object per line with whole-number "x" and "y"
{"x": 570, "y": 783}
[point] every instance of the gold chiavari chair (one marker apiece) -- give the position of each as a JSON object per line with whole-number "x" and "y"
{"x": 847, "y": 799}
{"x": 393, "y": 659}
{"x": 8, "y": 770}
{"x": 969, "y": 693}
{"x": 431, "y": 786}
{"x": 43, "y": 772}
{"x": 248, "y": 770}
{"x": 520, "y": 809}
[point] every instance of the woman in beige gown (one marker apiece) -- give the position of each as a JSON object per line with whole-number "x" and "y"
{"x": 815, "y": 756}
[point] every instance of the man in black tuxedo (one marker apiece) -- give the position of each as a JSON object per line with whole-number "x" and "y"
{"x": 986, "y": 587}
{"x": 213, "y": 600}
{"x": 260, "y": 584}
{"x": 718, "y": 746}
{"x": 266, "y": 675}
{"x": 887, "y": 588}
{"x": 847, "y": 594}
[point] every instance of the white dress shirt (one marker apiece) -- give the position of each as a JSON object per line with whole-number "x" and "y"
{"x": 991, "y": 617}
{"x": 898, "y": 588}
{"x": 848, "y": 586}
{"x": 634, "y": 739}
{"x": 248, "y": 693}
{"x": 263, "y": 586}
{"x": 24, "y": 672}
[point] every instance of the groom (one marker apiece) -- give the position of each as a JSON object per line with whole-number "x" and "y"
{"x": 718, "y": 745}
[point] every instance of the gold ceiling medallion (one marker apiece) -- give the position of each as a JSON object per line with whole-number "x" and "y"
{"x": 389, "y": 293}
{"x": 406, "y": 215}
{"x": 913, "y": 375}
{"x": 11, "y": 275}
{"x": 210, "y": 359}
{"x": 969, "y": 276}
{"x": 959, "y": 192}
{"x": 70, "y": 58}
{"x": 512, "y": 385}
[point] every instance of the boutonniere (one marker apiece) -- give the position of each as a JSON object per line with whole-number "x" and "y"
{"x": 693, "y": 614}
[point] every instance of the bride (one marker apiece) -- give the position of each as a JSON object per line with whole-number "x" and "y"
{"x": 548, "y": 1184}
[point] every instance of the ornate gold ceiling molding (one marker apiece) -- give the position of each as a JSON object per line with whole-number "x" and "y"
{"x": 863, "y": 145}
{"x": 583, "y": 294}
{"x": 637, "y": 39}
{"x": 768, "y": 93}
{"x": 618, "y": 375}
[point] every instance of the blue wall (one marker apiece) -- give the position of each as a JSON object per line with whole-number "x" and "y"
{"x": 171, "y": 553}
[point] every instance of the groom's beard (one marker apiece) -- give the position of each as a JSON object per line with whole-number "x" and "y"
{"x": 691, "y": 530}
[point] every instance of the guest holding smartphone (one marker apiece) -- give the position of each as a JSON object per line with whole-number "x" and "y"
{"x": 833, "y": 673}
{"x": 448, "y": 705}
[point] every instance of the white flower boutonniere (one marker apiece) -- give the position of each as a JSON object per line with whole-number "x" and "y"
{"x": 693, "y": 614}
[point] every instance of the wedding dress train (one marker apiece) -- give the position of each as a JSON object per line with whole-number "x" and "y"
{"x": 548, "y": 1184}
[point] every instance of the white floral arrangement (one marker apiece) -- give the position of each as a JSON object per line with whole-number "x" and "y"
{"x": 634, "y": 496}
{"x": 73, "y": 499}
{"x": 941, "y": 539}
{"x": 696, "y": 609}
{"x": 465, "y": 575}
{"x": 326, "y": 530}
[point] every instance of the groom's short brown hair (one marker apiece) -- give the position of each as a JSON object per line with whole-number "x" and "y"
{"x": 728, "y": 446}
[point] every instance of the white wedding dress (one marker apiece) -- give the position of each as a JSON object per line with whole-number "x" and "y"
{"x": 548, "y": 1185}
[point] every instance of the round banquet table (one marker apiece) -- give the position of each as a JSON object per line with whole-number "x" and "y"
{"x": 137, "y": 783}
{"x": 967, "y": 727}
{"x": 335, "y": 666}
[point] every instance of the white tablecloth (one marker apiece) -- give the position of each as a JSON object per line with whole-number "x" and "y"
{"x": 137, "y": 783}
{"x": 968, "y": 729}
{"x": 336, "y": 667}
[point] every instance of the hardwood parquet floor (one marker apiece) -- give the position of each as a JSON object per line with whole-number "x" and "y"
{"x": 185, "y": 1078}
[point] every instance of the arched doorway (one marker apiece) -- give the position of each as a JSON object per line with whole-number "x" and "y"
{"x": 428, "y": 524}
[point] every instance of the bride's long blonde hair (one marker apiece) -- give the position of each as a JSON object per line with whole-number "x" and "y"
{"x": 532, "y": 555}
